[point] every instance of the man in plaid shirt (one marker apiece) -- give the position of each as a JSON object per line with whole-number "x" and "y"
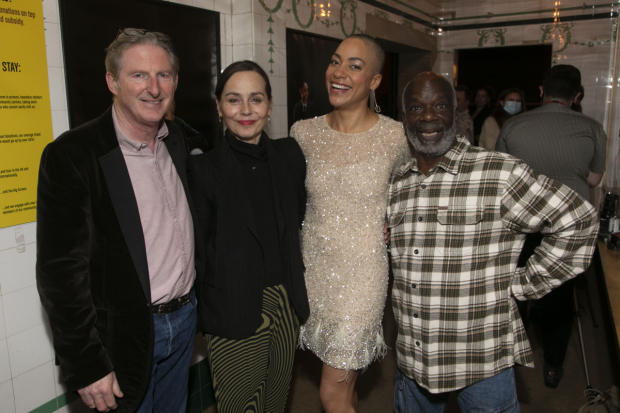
{"x": 458, "y": 217}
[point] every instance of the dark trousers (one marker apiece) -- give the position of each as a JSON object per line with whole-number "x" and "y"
{"x": 554, "y": 311}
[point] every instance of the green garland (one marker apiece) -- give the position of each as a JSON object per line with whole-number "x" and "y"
{"x": 312, "y": 13}
{"x": 270, "y": 31}
{"x": 268, "y": 10}
{"x": 343, "y": 6}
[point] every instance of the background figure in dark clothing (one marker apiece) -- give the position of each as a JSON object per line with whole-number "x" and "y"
{"x": 195, "y": 142}
{"x": 569, "y": 147}
{"x": 304, "y": 109}
{"x": 481, "y": 110}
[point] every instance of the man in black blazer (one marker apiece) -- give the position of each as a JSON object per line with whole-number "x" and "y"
{"x": 115, "y": 260}
{"x": 304, "y": 109}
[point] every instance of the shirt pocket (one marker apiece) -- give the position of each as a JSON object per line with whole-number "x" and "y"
{"x": 459, "y": 227}
{"x": 397, "y": 240}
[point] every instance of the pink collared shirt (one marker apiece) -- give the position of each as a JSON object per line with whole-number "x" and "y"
{"x": 164, "y": 214}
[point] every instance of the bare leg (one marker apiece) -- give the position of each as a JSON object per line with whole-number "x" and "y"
{"x": 337, "y": 395}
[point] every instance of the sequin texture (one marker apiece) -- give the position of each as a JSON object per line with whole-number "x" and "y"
{"x": 342, "y": 237}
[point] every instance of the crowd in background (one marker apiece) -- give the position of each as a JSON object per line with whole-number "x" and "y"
{"x": 480, "y": 116}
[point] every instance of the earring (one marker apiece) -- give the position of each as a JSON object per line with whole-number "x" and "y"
{"x": 269, "y": 118}
{"x": 220, "y": 118}
{"x": 377, "y": 108}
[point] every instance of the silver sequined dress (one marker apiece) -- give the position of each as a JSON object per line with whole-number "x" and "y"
{"x": 342, "y": 237}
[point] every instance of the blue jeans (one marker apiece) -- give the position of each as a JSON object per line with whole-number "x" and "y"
{"x": 497, "y": 394}
{"x": 173, "y": 344}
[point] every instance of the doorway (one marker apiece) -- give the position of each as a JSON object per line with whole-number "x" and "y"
{"x": 504, "y": 67}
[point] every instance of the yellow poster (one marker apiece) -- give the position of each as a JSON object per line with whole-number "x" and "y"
{"x": 25, "y": 114}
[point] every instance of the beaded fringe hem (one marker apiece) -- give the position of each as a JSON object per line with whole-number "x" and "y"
{"x": 332, "y": 348}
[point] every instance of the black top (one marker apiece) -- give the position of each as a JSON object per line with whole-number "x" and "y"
{"x": 193, "y": 138}
{"x": 230, "y": 256}
{"x": 479, "y": 120}
{"x": 94, "y": 279}
{"x": 258, "y": 187}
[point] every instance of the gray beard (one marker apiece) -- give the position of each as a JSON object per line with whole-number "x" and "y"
{"x": 441, "y": 148}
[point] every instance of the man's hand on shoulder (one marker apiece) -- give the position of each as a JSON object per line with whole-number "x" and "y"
{"x": 101, "y": 393}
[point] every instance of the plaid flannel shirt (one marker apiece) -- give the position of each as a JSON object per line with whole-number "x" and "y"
{"x": 456, "y": 236}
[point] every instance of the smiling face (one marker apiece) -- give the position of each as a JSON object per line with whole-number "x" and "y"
{"x": 145, "y": 86}
{"x": 245, "y": 106}
{"x": 429, "y": 115}
{"x": 350, "y": 75}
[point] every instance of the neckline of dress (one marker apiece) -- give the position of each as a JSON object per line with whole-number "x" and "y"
{"x": 324, "y": 119}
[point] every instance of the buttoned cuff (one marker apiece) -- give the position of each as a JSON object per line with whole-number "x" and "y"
{"x": 520, "y": 288}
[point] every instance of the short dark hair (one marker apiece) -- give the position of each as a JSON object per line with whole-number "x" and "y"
{"x": 561, "y": 81}
{"x": 241, "y": 66}
{"x": 376, "y": 51}
{"x": 301, "y": 85}
{"x": 465, "y": 89}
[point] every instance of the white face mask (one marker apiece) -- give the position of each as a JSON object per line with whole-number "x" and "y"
{"x": 512, "y": 107}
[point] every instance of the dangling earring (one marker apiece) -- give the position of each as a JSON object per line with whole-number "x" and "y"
{"x": 269, "y": 118}
{"x": 377, "y": 108}
{"x": 220, "y": 118}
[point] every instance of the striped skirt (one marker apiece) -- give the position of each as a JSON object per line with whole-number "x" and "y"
{"x": 254, "y": 374}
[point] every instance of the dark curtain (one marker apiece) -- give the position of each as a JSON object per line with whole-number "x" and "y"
{"x": 504, "y": 67}
{"x": 307, "y": 58}
{"x": 89, "y": 26}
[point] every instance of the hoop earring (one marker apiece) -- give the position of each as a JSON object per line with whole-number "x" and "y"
{"x": 377, "y": 108}
{"x": 220, "y": 118}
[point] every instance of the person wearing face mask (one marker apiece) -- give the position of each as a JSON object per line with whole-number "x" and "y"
{"x": 350, "y": 153}
{"x": 250, "y": 200}
{"x": 509, "y": 103}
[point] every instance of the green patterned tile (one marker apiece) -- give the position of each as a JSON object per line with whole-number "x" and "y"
{"x": 67, "y": 398}
{"x": 48, "y": 407}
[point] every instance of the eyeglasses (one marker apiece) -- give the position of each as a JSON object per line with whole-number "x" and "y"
{"x": 142, "y": 32}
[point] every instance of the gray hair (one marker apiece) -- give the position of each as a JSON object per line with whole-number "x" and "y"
{"x": 451, "y": 88}
{"x": 128, "y": 38}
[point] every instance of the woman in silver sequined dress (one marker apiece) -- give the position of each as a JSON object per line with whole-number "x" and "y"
{"x": 350, "y": 154}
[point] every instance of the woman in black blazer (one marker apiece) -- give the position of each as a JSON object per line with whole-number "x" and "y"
{"x": 250, "y": 200}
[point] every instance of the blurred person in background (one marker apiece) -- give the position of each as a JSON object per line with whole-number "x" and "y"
{"x": 481, "y": 110}
{"x": 509, "y": 103}
{"x": 464, "y": 122}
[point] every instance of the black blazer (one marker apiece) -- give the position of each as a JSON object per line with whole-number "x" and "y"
{"x": 229, "y": 257}
{"x": 92, "y": 272}
{"x": 298, "y": 111}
